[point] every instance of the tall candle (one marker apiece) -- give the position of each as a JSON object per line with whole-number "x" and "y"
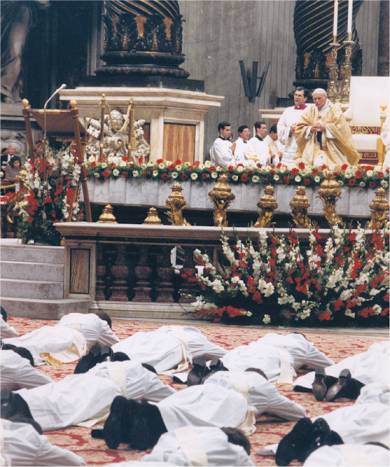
{"x": 335, "y": 18}
{"x": 349, "y": 23}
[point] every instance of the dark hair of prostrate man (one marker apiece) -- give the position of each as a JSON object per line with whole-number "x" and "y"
{"x": 25, "y": 353}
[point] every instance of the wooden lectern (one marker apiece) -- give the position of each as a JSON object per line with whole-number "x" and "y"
{"x": 63, "y": 125}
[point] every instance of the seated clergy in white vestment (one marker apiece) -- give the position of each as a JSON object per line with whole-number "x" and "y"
{"x": 210, "y": 446}
{"x": 140, "y": 424}
{"x": 258, "y": 145}
{"x": 260, "y": 393}
{"x": 69, "y": 339}
{"x": 22, "y": 445}
{"x": 343, "y": 455}
{"x": 221, "y": 151}
{"x": 366, "y": 367}
{"x": 277, "y": 356}
{"x": 169, "y": 347}
{"x": 87, "y": 397}
{"x": 16, "y": 372}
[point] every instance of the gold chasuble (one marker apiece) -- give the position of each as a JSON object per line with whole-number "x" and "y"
{"x": 333, "y": 146}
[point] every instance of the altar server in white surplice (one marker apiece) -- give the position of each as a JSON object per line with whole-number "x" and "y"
{"x": 204, "y": 406}
{"x": 23, "y": 445}
{"x": 169, "y": 347}
{"x": 258, "y": 145}
{"x": 366, "y": 367}
{"x": 286, "y": 125}
{"x": 16, "y": 372}
{"x": 343, "y": 455}
{"x": 88, "y": 396}
{"x": 197, "y": 446}
{"x": 241, "y": 148}
{"x": 259, "y": 393}
{"x": 69, "y": 340}
{"x": 221, "y": 151}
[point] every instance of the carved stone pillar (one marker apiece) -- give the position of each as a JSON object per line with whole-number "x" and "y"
{"x": 143, "y": 274}
{"x": 109, "y": 257}
{"x": 164, "y": 272}
{"x": 131, "y": 260}
{"x": 120, "y": 273}
{"x": 100, "y": 269}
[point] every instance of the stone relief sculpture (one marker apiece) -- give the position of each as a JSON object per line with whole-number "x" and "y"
{"x": 17, "y": 20}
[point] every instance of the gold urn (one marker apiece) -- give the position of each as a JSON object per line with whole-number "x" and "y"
{"x": 176, "y": 203}
{"x": 221, "y": 195}
{"x": 152, "y": 217}
{"x": 107, "y": 215}
{"x": 267, "y": 205}
{"x": 299, "y": 206}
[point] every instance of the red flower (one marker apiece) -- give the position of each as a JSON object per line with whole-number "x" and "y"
{"x": 372, "y": 184}
{"x": 205, "y": 176}
{"x": 338, "y": 304}
{"x": 93, "y": 164}
{"x": 257, "y": 297}
{"x": 230, "y": 168}
{"x": 306, "y": 181}
{"x": 301, "y": 165}
{"x": 212, "y": 168}
{"x": 294, "y": 171}
{"x": 106, "y": 173}
{"x": 244, "y": 178}
{"x": 159, "y": 161}
{"x": 352, "y": 182}
{"x": 196, "y": 164}
{"x": 178, "y": 162}
{"x": 286, "y": 180}
{"x": 358, "y": 174}
{"x": 324, "y": 316}
{"x": 164, "y": 176}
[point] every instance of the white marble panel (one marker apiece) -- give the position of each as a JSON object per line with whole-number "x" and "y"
{"x": 164, "y": 190}
{"x": 250, "y": 197}
{"x": 134, "y": 195}
{"x": 358, "y": 203}
{"x": 117, "y": 194}
{"x": 316, "y": 207}
{"x": 101, "y": 192}
{"x": 284, "y": 195}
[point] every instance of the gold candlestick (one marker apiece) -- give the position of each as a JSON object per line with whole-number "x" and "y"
{"x": 152, "y": 217}
{"x": 346, "y": 69}
{"x": 329, "y": 192}
{"x": 107, "y": 215}
{"x": 333, "y": 93}
{"x": 379, "y": 207}
{"x": 299, "y": 206}
{"x": 221, "y": 196}
{"x": 175, "y": 203}
{"x": 130, "y": 116}
{"x": 101, "y": 136}
{"x": 267, "y": 204}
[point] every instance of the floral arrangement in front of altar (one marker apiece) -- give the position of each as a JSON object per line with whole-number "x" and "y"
{"x": 48, "y": 194}
{"x": 351, "y": 176}
{"x": 283, "y": 278}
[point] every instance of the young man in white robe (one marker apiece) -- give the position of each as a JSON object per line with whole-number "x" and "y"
{"x": 192, "y": 445}
{"x": 69, "y": 339}
{"x": 23, "y": 445}
{"x": 16, "y": 372}
{"x": 169, "y": 347}
{"x": 84, "y": 397}
{"x": 221, "y": 150}
{"x": 277, "y": 355}
{"x": 241, "y": 148}
{"x": 258, "y": 145}
{"x": 276, "y": 148}
{"x": 259, "y": 393}
{"x": 140, "y": 424}
{"x": 286, "y": 126}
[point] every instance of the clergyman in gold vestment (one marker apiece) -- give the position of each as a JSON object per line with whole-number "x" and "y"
{"x": 323, "y": 135}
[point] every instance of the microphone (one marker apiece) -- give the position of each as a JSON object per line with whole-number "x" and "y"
{"x": 63, "y": 85}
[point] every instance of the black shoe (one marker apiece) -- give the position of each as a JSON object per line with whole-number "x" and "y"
{"x": 197, "y": 375}
{"x": 322, "y": 436}
{"x": 343, "y": 381}
{"x": 112, "y": 430}
{"x": 294, "y": 444}
{"x": 319, "y": 387}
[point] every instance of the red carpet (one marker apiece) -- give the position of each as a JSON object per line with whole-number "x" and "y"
{"x": 337, "y": 346}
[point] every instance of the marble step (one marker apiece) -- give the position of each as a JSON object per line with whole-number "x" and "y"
{"x": 32, "y": 253}
{"x": 44, "y": 290}
{"x": 43, "y": 309}
{"x": 140, "y": 310}
{"x": 31, "y": 271}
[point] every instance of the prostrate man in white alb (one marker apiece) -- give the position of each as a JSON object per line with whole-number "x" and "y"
{"x": 241, "y": 148}
{"x": 70, "y": 339}
{"x": 258, "y": 145}
{"x": 221, "y": 151}
{"x": 23, "y": 445}
{"x": 287, "y": 123}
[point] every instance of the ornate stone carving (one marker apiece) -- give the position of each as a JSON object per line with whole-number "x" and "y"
{"x": 152, "y": 217}
{"x": 379, "y": 210}
{"x": 143, "y": 274}
{"x": 175, "y": 203}
{"x": 329, "y": 192}
{"x": 107, "y": 215}
{"x": 299, "y": 206}
{"x": 267, "y": 204}
{"x": 221, "y": 195}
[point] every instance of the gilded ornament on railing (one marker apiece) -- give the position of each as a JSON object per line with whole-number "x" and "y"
{"x": 221, "y": 195}
{"x": 267, "y": 204}
{"x": 379, "y": 210}
{"x": 107, "y": 216}
{"x": 176, "y": 203}
{"x": 329, "y": 192}
{"x": 299, "y": 206}
{"x": 152, "y": 217}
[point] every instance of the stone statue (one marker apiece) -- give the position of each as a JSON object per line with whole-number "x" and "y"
{"x": 17, "y": 20}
